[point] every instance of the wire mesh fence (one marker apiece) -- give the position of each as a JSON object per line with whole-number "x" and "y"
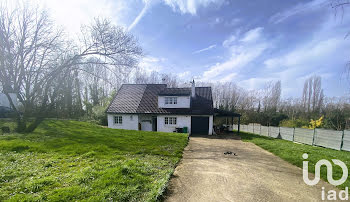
{"x": 339, "y": 140}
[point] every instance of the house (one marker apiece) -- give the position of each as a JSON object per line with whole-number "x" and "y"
{"x": 5, "y": 103}
{"x": 155, "y": 107}
{"x": 5, "y": 106}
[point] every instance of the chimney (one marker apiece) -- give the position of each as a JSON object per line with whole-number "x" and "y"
{"x": 193, "y": 89}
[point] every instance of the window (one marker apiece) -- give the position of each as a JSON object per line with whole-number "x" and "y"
{"x": 118, "y": 120}
{"x": 170, "y": 120}
{"x": 170, "y": 100}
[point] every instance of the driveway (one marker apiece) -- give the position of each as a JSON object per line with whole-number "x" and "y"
{"x": 253, "y": 174}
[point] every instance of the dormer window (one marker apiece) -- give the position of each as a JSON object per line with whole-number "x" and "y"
{"x": 170, "y": 100}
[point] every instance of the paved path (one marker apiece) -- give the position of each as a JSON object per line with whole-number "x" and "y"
{"x": 206, "y": 174}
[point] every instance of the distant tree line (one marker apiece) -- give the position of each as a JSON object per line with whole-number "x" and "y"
{"x": 268, "y": 108}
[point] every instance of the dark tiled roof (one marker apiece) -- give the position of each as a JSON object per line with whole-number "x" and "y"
{"x": 149, "y": 101}
{"x": 203, "y": 100}
{"x": 143, "y": 98}
{"x": 127, "y": 99}
{"x": 175, "y": 91}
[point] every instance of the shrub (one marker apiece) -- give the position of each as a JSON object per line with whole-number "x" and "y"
{"x": 99, "y": 115}
{"x": 297, "y": 123}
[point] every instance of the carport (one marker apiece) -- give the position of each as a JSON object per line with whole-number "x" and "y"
{"x": 229, "y": 117}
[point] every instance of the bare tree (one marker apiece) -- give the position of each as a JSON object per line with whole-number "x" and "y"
{"x": 312, "y": 97}
{"x": 141, "y": 77}
{"x": 339, "y": 7}
{"x": 271, "y": 96}
{"x": 305, "y": 95}
{"x": 34, "y": 56}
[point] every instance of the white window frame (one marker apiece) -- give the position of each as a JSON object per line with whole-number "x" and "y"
{"x": 118, "y": 120}
{"x": 170, "y": 120}
{"x": 170, "y": 100}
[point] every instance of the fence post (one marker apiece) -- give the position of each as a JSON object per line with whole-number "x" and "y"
{"x": 313, "y": 137}
{"x": 293, "y": 133}
{"x": 279, "y": 132}
{"x": 268, "y": 130}
{"x": 342, "y": 140}
{"x": 260, "y": 130}
{"x": 253, "y": 128}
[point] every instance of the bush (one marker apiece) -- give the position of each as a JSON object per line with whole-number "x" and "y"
{"x": 99, "y": 115}
{"x": 297, "y": 123}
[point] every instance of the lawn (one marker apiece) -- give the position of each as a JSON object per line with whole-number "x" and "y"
{"x": 292, "y": 152}
{"x": 71, "y": 160}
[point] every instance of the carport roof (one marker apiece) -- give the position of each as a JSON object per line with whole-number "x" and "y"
{"x": 225, "y": 113}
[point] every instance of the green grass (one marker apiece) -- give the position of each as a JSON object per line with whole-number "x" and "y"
{"x": 292, "y": 153}
{"x": 71, "y": 160}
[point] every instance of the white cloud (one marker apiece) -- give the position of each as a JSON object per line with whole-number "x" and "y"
{"x": 150, "y": 64}
{"x": 147, "y": 5}
{"x": 184, "y": 6}
{"x": 242, "y": 53}
{"x": 191, "y": 6}
{"x": 318, "y": 57}
{"x": 252, "y": 35}
{"x": 82, "y": 12}
{"x": 299, "y": 8}
{"x": 184, "y": 75}
{"x": 256, "y": 82}
{"x": 215, "y": 21}
{"x": 73, "y": 14}
{"x": 325, "y": 54}
{"x": 229, "y": 41}
{"x": 239, "y": 58}
{"x": 311, "y": 53}
{"x": 204, "y": 49}
{"x": 233, "y": 22}
{"x": 229, "y": 77}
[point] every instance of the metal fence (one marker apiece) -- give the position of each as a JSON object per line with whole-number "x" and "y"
{"x": 339, "y": 140}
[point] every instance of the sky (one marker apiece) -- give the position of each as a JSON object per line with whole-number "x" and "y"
{"x": 246, "y": 42}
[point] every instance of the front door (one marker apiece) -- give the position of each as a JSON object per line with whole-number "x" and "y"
{"x": 154, "y": 123}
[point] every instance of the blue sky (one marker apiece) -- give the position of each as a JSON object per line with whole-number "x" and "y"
{"x": 246, "y": 42}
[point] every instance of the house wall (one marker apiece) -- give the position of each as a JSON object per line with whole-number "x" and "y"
{"x": 130, "y": 121}
{"x": 182, "y": 121}
{"x": 146, "y": 122}
{"x": 211, "y": 121}
{"x": 5, "y": 102}
{"x": 182, "y": 102}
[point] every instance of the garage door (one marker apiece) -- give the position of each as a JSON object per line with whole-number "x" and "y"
{"x": 199, "y": 125}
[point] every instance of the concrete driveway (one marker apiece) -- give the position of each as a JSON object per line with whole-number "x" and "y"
{"x": 206, "y": 174}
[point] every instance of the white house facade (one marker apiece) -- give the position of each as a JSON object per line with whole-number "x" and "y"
{"x": 154, "y": 107}
{"x": 4, "y": 102}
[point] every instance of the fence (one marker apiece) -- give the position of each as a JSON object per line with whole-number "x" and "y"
{"x": 339, "y": 140}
